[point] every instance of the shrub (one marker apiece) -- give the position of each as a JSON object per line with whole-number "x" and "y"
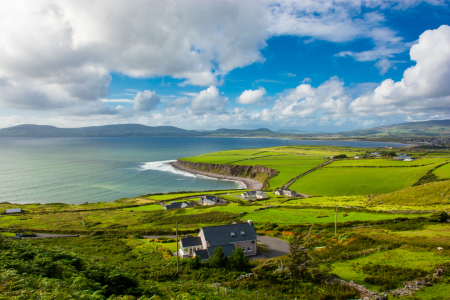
{"x": 439, "y": 217}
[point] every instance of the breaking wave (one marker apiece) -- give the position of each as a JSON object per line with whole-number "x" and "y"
{"x": 165, "y": 166}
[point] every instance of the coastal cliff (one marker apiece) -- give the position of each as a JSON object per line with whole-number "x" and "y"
{"x": 258, "y": 173}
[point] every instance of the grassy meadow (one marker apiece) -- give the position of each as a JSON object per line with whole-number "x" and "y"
{"x": 358, "y": 181}
{"x": 443, "y": 172}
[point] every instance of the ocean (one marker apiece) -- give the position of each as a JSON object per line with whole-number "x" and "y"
{"x": 80, "y": 170}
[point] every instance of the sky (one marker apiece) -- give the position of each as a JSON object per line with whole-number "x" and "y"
{"x": 309, "y": 65}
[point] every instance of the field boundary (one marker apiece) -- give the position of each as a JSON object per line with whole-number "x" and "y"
{"x": 306, "y": 173}
{"x": 428, "y": 173}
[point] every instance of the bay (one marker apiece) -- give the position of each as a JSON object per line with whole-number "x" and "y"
{"x": 80, "y": 170}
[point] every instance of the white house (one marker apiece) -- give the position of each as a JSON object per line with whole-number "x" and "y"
{"x": 286, "y": 192}
{"x": 252, "y": 195}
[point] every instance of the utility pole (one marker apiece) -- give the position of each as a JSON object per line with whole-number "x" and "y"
{"x": 176, "y": 224}
{"x": 335, "y": 221}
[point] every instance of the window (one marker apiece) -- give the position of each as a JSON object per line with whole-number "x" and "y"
{"x": 249, "y": 248}
{"x": 232, "y": 234}
{"x": 242, "y": 232}
{"x": 243, "y": 248}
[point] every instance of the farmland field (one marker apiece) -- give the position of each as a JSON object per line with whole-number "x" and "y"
{"x": 379, "y": 162}
{"x": 358, "y": 181}
{"x": 443, "y": 172}
{"x": 405, "y": 258}
{"x": 287, "y": 173}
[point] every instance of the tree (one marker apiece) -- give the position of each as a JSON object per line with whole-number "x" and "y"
{"x": 301, "y": 261}
{"x": 238, "y": 261}
{"x": 195, "y": 263}
{"x": 218, "y": 260}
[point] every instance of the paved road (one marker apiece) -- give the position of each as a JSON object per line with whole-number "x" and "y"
{"x": 276, "y": 246}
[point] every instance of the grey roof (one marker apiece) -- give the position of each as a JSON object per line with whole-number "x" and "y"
{"x": 254, "y": 193}
{"x": 178, "y": 205}
{"x": 209, "y": 202}
{"x": 227, "y": 250}
{"x": 202, "y": 253}
{"x": 210, "y": 198}
{"x": 13, "y": 210}
{"x": 191, "y": 242}
{"x": 221, "y": 235}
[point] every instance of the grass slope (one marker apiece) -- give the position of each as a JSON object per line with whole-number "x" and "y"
{"x": 422, "y": 195}
{"x": 443, "y": 172}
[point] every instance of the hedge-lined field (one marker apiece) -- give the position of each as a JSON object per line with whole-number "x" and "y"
{"x": 358, "y": 181}
{"x": 443, "y": 172}
{"x": 380, "y": 162}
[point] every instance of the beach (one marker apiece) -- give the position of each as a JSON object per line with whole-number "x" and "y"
{"x": 250, "y": 184}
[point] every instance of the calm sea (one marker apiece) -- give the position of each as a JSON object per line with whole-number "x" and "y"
{"x": 79, "y": 170}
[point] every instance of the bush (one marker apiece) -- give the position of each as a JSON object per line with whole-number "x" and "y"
{"x": 218, "y": 260}
{"x": 439, "y": 217}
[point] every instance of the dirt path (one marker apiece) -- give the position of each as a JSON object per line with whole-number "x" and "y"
{"x": 250, "y": 184}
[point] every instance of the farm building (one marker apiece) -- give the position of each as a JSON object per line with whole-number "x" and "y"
{"x": 209, "y": 200}
{"x": 229, "y": 237}
{"x": 174, "y": 205}
{"x": 286, "y": 192}
{"x": 404, "y": 158}
{"x": 252, "y": 195}
{"x": 13, "y": 211}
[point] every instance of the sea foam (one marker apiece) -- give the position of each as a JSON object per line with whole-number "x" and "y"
{"x": 165, "y": 166}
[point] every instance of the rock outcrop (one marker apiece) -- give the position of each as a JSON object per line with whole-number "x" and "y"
{"x": 258, "y": 173}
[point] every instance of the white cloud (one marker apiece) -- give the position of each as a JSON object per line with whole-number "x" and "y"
{"x": 424, "y": 87}
{"x": 118, "y": 100}
{"x": 251, "y": 96}
{"x": 178, "y": 102}
{"x": 146, "y": 101}
{"x": 208, "y": 101}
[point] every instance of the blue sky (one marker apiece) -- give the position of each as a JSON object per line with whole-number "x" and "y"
{"x": 306, "y": 65}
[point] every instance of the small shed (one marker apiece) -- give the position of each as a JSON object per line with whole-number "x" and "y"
{"x": 14, "y": 211}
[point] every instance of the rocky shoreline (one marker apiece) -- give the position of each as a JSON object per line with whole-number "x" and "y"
{"x": 250, "y": 184}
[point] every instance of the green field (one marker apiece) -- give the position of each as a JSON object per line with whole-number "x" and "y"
{"x": 443, "y": 172}
{"x": 287, "y": 173}
{"x": 151, "y": 207}
{"x": 358, "y": 181}
{"x": 426, "y": 195}
{"x": 287, "y": 160}
{"x": 405, "y": 258}
{"x": 380, "y": 162}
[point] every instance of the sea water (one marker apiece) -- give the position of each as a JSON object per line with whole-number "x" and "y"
{"x": 80, "y": 170}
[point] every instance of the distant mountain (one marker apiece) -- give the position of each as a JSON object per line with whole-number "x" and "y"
{"x": 295, "y": 131}
{"x": 95, "y": 131}
{"x": 425, "y": 128}
{"x": 242, "y": 132}
{"x": 28, "y": 130}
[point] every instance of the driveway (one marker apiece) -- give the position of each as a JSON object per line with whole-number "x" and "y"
{"x": 276, "y": 246}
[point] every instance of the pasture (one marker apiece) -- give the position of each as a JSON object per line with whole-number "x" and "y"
{"x": 380, "y": 162}
{"x": 443, "y": 172}
{"x": 358, "y": 181}
{"x": 402, "y": 257}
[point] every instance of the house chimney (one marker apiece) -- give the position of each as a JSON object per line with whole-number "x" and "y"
{"x": 250, "y": 222}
